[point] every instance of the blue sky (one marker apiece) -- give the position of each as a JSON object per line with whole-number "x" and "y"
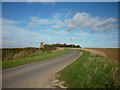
{"x": 87, "y": 24}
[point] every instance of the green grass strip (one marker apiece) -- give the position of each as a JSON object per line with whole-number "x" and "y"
{"x": 17, "y": 62}
{"x": 90, "y": 71}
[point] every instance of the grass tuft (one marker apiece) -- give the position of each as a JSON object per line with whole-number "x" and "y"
{"x": 90, "y": 71}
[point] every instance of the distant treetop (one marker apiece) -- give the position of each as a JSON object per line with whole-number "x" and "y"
{"x": 62, "y": 45}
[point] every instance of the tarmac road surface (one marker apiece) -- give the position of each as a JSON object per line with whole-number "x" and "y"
{"x": 38, "y": 74}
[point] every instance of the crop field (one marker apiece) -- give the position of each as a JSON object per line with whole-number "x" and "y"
{"x": 110, "y": 53}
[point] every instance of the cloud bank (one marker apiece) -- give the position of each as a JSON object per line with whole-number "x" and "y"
{"x": 81, "y": 20}
{"x": 74, "y": 38}
{"x": 13, "y": 36}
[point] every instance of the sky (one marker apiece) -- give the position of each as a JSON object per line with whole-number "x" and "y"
{"x": 88, "y": 24}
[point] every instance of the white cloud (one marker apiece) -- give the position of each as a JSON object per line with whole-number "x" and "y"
{"x": 9, "y": 22}
{"x": 77, "y": 21}
{"x": 81, "y": 20}
{"x": 58, "y": 24}
{"x": 35, "y": 22}
{"x": 14, "y": 36}
{"x": 39, "y": 20}
{"x": 106, "y": 22}
{"x": 56, "y": 32}
{"x": 59, "y": 32}
{"x": 82, "y": 34}
{"x": 85, "y": 21}
{"x": 31, "y": 25}
{"x": 56, "y": 20}
{"x": 74, "y": 38}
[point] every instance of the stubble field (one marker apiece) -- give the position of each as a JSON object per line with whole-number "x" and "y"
{"x": 110, "y": 53}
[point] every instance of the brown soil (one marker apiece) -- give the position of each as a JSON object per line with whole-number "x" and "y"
{"x": 108, "y": 52}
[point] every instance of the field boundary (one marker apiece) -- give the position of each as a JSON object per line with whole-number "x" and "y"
{"x": 91, "y": 68}
{"x": 45, "y": 56}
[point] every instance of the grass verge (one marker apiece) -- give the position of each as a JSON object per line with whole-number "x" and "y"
{"x": 17, "y": 62}
{"x": 90, "y": 71}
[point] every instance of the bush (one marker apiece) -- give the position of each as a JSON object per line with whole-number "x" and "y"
{"x": 15, "y": 53}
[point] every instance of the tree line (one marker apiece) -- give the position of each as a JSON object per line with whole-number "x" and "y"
{"x": 62, "y": 45}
